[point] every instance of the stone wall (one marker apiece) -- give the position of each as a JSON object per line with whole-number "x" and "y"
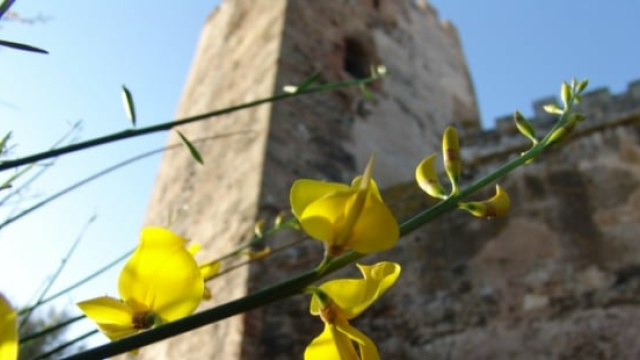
{"x": 215, "y": 204}
{"x": 557, "y": 278}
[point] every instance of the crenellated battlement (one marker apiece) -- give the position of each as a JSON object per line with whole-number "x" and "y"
{"x": 602, "y": 108}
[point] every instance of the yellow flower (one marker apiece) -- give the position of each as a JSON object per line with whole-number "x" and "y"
{"x": 498, "y": 205}
{"x": 338, "y": 301}
{"x": 427, "y": 178}
{"x": 345, "y": 217}
{"x": 160, "y": 283}
{"x": 8, "y": 331}
{"x": 451, "y": 156}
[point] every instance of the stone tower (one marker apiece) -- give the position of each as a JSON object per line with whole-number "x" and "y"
{"x": 250, "y": 49}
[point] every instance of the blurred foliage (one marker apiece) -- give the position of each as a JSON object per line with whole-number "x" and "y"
{"x": 33, "y": 348}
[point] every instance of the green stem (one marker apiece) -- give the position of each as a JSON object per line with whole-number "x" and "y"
{"x": 80, "y": 282}
{"x": 61, "y": 347}
{"x": 257, "y": 239}
{"x": 74, "y": 128}
{"x": 269, "y": 295}
{"x": 9, "y": 164}
{"x": 107, "y": 171}
{"x": 51, "y": 329}
{"x": 56, "y": 274}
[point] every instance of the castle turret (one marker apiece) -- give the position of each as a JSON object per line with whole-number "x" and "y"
{"x": 250, "y": 49}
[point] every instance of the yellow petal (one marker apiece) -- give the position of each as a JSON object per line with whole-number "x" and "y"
{"x": 162, "y": 276}
{"x": 343, "y": 216}
{"x": 193, "y": 249}
{"x": 353, "y": 296}
{"x": 209, "y": 270}
{"x": 367, "y": 175}
{"x": 362, "y": 188}
{"x": 321, "y": 218}
{"x": 8, "y": 331}
{"x": 344, "y": 292}
{"x": 113, "y": 317}
{"x": 115, "y": 332}
{"x": 427, "y": 178}
{"x": 498, "y": 205}
{"x": 451, "y": 156}
{"x": 331, "y": 344}
{"x": 376, "y": 228}
{"x": 368, "y": 350}
{"x": 306, "y": 191}
{"x": 372, "y": 188}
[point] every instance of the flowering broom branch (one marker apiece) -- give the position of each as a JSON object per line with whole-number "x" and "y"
{"x": 299, "y": 283}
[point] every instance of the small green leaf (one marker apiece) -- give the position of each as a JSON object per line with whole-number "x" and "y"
{"x": 192, "y": 149}
{"x": 3, "y": 142}
{"x": 577, "y": 99}
{"x": 565, "y": 93}
{"x": 4, "y": 6}
{"x": 368, "y": 95}
{"x": 127, "y": 100}
{"x": 552, "y": 109}
{"x": 524, "y": 126}
{"x": 25, "y": 47}
{"x": 582, "y": 85}
{"x": 308, "y": 81}
{"x": 293, "y": 89}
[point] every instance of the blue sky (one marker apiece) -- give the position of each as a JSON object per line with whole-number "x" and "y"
{"x": 517, "y": 51}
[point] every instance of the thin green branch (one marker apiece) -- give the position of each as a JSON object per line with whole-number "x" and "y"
{"x": 126, "y": 134}
{"x": 50, "y": 329}
{"x": 108, "y": 170}
{"x": 58, "y": 271}
{"x": 81, "y": 281}
{"x": 74, "y": 128}
{"x": 295, "y": 285}
{"x": 23, "y": 47}
{"x": 61, "y": 347}
{"x": 257, "y": 239}
{"x": 261, "y": 298}
{"x": 249, "y": 261}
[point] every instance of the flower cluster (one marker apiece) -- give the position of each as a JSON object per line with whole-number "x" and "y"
{"x": 427, "y": 179}
{"x": 160, "y": 283}
{"x": 337, "y": 302}
{"x": 345, "y": 217}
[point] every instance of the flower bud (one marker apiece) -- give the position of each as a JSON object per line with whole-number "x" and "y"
{"x": 451, "y": 155}
{"x": 552, "y": 109}
{"x": 562, "y": 131}
{"x": 278, "y": 220}
{"x": 427, "y": 178}
{"x": 524, "y": 126}
{"x": 498, "y": 205}
{"x": 259, "y": 254}
{"x": 565, "y": 93}
{"x": 582, "y": 85}
{"x": 258, "y": 228}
